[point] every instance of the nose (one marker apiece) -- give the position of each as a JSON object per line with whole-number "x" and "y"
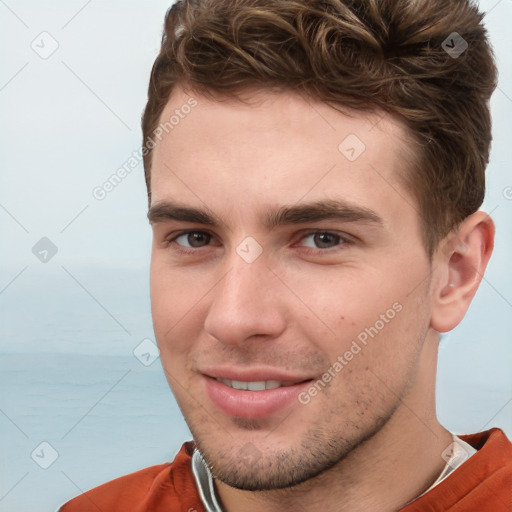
{"x": 246, "y": 304}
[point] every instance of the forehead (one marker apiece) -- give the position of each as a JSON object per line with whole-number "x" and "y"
{"x": 277, "y": 147}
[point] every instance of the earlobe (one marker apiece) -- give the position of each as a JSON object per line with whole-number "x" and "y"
{"x": 460, "y": 263}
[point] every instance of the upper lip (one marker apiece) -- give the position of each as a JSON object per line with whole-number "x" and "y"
{"x": 254, "y": 374}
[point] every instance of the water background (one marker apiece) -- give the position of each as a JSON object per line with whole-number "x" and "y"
{"x": 68, "y": 376}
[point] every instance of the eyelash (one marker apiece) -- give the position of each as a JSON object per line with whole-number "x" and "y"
{"x": 343, "y": 240}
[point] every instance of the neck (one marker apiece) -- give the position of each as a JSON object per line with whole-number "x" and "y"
{"x": 384, "y": 473}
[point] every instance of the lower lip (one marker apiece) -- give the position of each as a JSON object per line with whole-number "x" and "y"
{"x": 251, "y": 404}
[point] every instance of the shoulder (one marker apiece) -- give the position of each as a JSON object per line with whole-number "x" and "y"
{"x": 482, "y": 483}
{"x": 169, "y": 486}
{"x": 492, "y": 440}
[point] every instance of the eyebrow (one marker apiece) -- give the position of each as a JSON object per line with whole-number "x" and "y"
{"x": 285, "y": 215}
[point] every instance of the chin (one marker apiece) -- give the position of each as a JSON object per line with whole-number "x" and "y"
{"x": 265, "y": 475}
{"x": 258, "y": 467}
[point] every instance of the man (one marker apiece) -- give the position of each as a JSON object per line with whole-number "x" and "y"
{"x": 314, "y": 172}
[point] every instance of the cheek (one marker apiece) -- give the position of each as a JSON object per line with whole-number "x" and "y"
{"x": 172, "y": 307}
{"x": 368, "y": 317}
{"x": 344, "y": 305}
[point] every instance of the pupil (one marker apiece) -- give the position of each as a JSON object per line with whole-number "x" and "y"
{"x": 196, "y": 239}
{"x": 323, "y": 239}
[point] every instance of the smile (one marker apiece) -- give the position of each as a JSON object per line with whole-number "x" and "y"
{"x": 253, "y": 398}
{"x": 259, "y": 385}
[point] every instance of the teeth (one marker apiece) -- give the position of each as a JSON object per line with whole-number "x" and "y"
{"x": 256, "y": 386}
{"x": 259, "y": 385}
{"x": 237, "y": 384}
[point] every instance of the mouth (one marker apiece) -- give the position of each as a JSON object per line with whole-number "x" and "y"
{"x": 257, "y": 385}
{"x": 252, "y": 397}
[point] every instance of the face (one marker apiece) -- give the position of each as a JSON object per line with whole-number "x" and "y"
{"x": 288, "y": 281}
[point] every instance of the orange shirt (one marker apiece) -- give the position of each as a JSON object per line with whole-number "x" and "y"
{"x": 481, "y": 484}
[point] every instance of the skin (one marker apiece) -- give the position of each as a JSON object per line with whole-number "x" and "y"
{"x": 370, "y": 439}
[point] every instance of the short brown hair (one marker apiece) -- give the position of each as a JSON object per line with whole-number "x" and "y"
{"x": 390, "y": 55}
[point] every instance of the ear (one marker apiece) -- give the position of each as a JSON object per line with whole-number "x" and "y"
{"x": 459, "y": 265}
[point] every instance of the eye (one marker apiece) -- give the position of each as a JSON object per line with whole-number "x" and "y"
{"x": 323, "y": 240}
{"x": 192, "y": 239}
